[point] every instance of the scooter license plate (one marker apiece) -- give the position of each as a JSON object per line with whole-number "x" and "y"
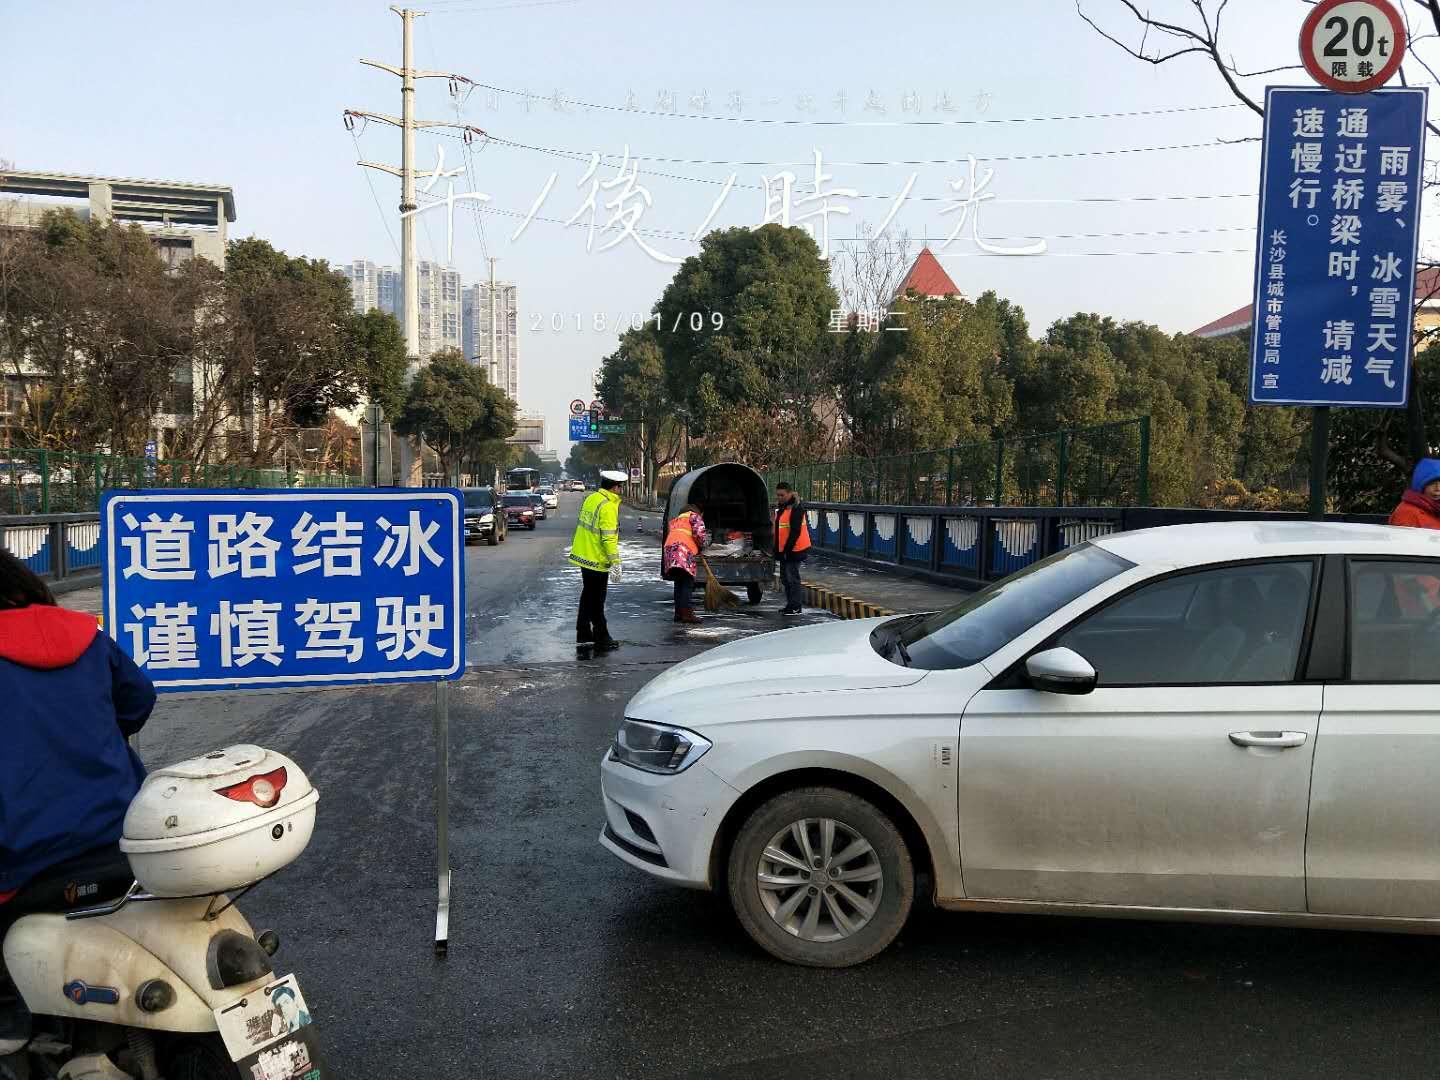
{"x": 269, "y": 1034}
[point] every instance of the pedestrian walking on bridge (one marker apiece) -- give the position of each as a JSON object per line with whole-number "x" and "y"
{"x": 596, "y": 551}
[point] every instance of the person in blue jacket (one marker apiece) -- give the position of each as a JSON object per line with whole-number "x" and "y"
{"x": 70, "y": 698}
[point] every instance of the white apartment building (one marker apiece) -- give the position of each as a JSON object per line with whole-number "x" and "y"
{"x": 491, "y": 336}
{"x": 438, "y": 289}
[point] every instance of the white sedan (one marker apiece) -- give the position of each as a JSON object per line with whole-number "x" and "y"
{"x": 1235, "y": 722}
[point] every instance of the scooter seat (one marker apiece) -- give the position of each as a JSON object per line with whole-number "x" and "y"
{"x": 88, "y": 879}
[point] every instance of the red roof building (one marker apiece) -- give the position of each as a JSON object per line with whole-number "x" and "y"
{"x": 928, "y": 278}
{"x": 1427, "y": 299}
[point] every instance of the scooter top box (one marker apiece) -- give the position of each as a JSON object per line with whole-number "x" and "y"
{"x": 218, "y": 822}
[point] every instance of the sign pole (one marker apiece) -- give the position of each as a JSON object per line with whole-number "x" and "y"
{"x": 442, "y": 814}
{"x": 1319, "y": 459}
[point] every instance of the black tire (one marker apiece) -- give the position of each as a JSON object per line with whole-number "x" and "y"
{"x": 532, "y": 526}
{"x": 896, "y": 885}
{"x": 494, "y": 537}
{"x": 753, "y": 592}
{"x": 197, "y": 1057}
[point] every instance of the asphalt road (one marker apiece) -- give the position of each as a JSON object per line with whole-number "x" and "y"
{"x": 564, "y": 962}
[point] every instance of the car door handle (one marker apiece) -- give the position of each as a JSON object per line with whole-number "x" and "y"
{"x": 1280, "y": 740}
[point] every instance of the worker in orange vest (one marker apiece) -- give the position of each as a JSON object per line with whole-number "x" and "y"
{"x": 792, "y": 541}
{"x": 679, "y": 563}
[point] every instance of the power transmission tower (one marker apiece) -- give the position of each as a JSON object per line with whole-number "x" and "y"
{"x": 408, "y": 125}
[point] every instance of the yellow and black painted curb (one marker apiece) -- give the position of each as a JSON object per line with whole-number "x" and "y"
{"x": 847, "y": 607}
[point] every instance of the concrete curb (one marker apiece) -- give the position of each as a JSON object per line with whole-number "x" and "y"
{"x": 847, "y": 607}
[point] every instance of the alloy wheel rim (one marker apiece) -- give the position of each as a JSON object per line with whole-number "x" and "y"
{"x": 820, "y": 880}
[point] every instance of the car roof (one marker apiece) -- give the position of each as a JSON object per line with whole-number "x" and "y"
{"x": 1216, "y": 542}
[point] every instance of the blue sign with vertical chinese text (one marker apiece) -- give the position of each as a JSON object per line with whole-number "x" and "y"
{"x": 213, "y": 590}
{"x": 1340, "y": 186}
{"x": 582, "y": 429}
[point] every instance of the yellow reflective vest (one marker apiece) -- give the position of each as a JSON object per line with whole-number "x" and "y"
{"x": 597, "y": 534}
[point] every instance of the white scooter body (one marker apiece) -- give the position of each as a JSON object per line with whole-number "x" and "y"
{"x": 159, "y": 939}
{"x": 196, "y": 831}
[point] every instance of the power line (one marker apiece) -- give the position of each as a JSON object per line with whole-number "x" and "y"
{"x": 1049, "y": 156}
{"x": 1128, "y": 114}
{"x": 384, "y": 219}
{"x": 686, "y": 237}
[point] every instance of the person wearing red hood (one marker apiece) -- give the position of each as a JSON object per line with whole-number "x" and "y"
{"x": 71, "y": 699}
{"x": 1420, "y": 505}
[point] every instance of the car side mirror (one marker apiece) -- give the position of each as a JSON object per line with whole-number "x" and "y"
{"x": 1060, "y": 671}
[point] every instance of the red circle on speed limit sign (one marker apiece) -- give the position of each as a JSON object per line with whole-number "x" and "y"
{"x": 1352, "y": 45}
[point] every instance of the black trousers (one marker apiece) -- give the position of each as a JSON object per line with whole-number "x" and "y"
{"x": 684, "y": 590}
{"x": 590, "y": 625}
{"x": 790, "y": 578}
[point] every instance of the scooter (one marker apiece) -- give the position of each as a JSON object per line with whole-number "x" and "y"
{"x": 167, "y": 980}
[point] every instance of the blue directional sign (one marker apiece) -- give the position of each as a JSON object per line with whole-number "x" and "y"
{"x": 1335, "y": 257}
{"x": 581, "y": 430}
{"x": 211, "y": 590}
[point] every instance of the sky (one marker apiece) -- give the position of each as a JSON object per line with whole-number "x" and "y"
{"x": 1149, "y": 215}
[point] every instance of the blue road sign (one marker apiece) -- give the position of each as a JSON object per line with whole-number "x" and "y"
{"x": 1335, "y": 256}
{"x": 581, "y": 430}
{"x": 213, "y": 590}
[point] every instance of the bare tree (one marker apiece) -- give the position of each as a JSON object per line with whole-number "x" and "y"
{"x": 868, "y": 271}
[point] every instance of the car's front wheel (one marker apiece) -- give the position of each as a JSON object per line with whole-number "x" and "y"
{"x": 821, "y": 877}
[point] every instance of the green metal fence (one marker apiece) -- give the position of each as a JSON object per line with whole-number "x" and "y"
{"x": 63, "y": 482}
{"x": 1105, "y": 465}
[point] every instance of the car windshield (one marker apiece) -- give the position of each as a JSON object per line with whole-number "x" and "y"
{"x": 479, "y": 499}
{"x": 518, "y": 500}
{"x": 973, "y": 629}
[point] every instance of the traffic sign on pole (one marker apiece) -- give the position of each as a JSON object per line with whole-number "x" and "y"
{"x": 581, "y": 430}
{"x": 1338, "y": 240}
{"x": 1352, "y": 46}
{"x": 219, "y": 590}
{"x": 577, "y": 407}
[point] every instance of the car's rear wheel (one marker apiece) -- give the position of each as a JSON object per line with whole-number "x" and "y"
{"x": 821, "y": 877}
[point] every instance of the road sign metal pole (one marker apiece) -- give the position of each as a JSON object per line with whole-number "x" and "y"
{"x": 442, "y": 814}
{"x": 1319, "y": 459}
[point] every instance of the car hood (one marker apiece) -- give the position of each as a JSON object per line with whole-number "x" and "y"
{"x": 807, "y": 659}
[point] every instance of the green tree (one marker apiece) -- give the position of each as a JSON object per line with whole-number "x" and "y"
{"x": 452, "y": 406}
{"x": 288, "y": 357}
{"x": 743, "y": 331}
{"x": 377, "y": 338}
{"x": 633, "y": 386}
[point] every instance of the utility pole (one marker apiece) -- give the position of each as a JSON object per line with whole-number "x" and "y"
{"x": 494, "y": 336}
{"x": 408, "y": 125}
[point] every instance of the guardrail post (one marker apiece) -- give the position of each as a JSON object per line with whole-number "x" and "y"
{"x": 44, "y": 481}
{"x": 1144, "y": 494}
{"x": 59, "y": 551}
{"x": 1062, "y": 466}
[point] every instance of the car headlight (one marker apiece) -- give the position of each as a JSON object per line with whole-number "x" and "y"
{"x": 657, "y": 748}
{"x": 487, "y": 519}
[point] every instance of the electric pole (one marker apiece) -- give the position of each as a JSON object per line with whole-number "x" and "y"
{"x": 408, "y": 125}
{"x": 495, "y": 368}
{"x": 411, "y": 466}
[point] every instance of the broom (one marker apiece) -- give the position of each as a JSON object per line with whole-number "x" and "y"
{"x": 716, "y": 595}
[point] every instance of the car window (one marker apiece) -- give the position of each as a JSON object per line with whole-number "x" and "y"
{"x": 1232, "y": 624}
{"x": 1394, "y": 621}
{"x": 518, "y": 500}
{"x": 479, "y": 498}
{"x": 970, "y": 631}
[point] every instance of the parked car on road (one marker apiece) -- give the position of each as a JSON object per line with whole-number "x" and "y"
{"x": 1229, "y": 722}
{"x": 519, "y": 509}
{"x": 484, "y": 516}
{"x": 538, "y": 501}
{"x": 552, "y": 500}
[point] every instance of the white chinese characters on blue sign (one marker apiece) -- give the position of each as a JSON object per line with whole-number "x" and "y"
{"x": 218, "y": 589}
{"x": 1335, "y": 261}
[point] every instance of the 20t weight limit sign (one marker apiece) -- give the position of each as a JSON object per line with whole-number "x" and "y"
{"x": 1352, "y": 46}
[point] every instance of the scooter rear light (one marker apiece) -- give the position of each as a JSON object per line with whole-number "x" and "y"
{"x": 263, "y": 789}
